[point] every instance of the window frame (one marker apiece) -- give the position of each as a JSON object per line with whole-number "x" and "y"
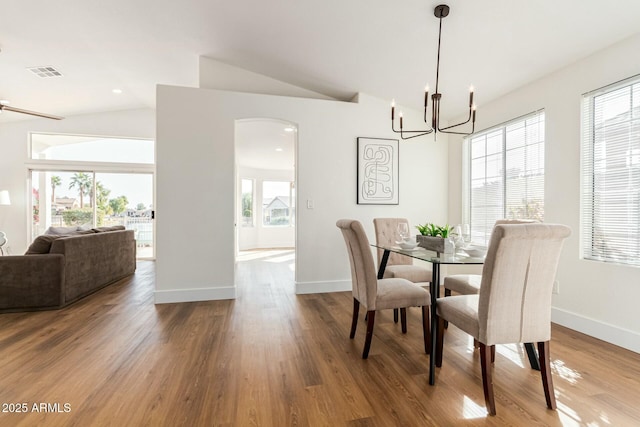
{"x": 592, "y": 172}
{"x": 482, "y": 233}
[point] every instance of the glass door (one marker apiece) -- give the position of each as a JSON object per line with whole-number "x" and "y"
{"x": 88, "y": 199}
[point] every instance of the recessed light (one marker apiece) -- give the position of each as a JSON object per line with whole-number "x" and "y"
{"x": 289, "y": 129}
{"x": 278, "y": 149}
{"x": 116, "y": 91}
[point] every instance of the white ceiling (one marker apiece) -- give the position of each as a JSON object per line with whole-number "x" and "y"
{"x": 336, "y": 47}
{"x": 265, "y": 144}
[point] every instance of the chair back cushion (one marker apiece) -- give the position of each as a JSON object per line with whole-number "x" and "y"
{"x": 387, "y": 235}
{"x": 517, "y": 282}
{"x": 364, "y": 279}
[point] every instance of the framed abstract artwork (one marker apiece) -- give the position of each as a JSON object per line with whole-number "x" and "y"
{"x": 378, "y": 171}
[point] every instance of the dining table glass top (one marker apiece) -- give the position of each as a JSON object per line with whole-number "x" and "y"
{"x": 431, "y": 256}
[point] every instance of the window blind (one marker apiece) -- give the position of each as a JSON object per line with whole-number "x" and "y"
{"x": 610, "y": 173}
{"x": 503, "y": 174}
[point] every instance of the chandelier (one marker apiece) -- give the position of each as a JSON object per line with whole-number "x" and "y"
{"x": 440, "y": 12}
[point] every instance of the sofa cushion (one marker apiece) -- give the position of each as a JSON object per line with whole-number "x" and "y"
{"x": 60, "y": 230}
{"x": 68, "y": 231}
{"x": 112, "y": 228}
{"x": 42, "y": 244}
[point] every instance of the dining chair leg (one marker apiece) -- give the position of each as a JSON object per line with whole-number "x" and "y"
{"x": 371, "y": 316}
{"x": 487, "y": 378}
{"x": 493, "y": 354}
{"x": 354, "y": 320}
{"x": 403, "y": 319}
{"x": 545, "y": 371}
{"x": 395, "y": 315}
{"x": 426, "y": 329}
{"x": 440, "y": 342}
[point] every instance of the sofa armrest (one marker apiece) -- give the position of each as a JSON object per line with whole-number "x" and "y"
{"x": 31, "y": 282}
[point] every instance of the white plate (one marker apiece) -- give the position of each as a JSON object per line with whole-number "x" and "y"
{"x": 408, "y": 250}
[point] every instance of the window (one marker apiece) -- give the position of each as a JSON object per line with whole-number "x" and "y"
{"x": 88, "y": 181}
{"x": 278, "y": 205}
{"x": 610, "y": 173}
{"x": 88, "y": 148}
{"x": 504, "y": 174}
{"x": 246, "y": 190}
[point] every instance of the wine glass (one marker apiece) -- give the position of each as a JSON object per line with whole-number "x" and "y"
{"x": 403, "y": 231}
{"x": 458, "y": 240}
{"x": 466, "y": 233}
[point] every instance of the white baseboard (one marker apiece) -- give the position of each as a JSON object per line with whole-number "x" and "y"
{"x": 322, "y": 287}
{"x": 616, "y": 335}
{"x": 192, "y": 295}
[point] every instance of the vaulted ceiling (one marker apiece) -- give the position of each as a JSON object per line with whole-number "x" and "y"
{"x": 336, "y": 47}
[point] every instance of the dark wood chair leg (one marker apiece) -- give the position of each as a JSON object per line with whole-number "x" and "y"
{"x": 354, "y": 320}
{"x": 403, "y": 319}
{"x": 371, "y": 316}
{"x": 487, "y": 378}
{"x": 545, "y": 372}
{"x": 440, "y": 342}
{"x": 493, "y": 354}
{"x": 426, "y": 329}
{"x": 476, "y": 344}
{"x": 395, "y": 315}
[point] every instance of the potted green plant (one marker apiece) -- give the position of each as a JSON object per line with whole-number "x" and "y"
{"x": 435, "y": 238}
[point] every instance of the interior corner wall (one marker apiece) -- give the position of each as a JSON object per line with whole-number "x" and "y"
{"x": 599, "y": 299}
{"x": 14, "y": 139}
{"x": 196, "y": 173}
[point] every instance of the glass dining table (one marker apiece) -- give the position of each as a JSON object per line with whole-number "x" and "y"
{"x": 437, "y": 259}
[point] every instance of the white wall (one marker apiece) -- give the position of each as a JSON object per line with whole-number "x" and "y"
{"x": 14, "y": 137}
{"x": 196, "y": 152}
{"x": 260, "y": 236}
{"x": 595, "y": 298}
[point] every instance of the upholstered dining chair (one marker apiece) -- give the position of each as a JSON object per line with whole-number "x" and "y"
{"x": 468, "y": 284}
{"x": 514, "y": 301}
{"x": 378, "y": 294}
{"x": 397, "y": 265}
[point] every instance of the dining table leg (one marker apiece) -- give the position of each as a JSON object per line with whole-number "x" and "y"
{"x": 533, "y": 356}
{"x": 434, "y": 287}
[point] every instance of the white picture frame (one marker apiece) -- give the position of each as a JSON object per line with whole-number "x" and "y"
{"x": 378, "y": 174}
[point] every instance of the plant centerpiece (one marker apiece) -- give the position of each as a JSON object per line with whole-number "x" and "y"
{"x": 435, "y": 238}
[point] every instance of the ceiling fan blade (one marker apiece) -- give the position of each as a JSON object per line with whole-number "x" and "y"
{"x": 33, "y": 113}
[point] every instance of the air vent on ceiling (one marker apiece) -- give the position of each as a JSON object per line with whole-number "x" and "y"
{"x": 45, "y": 72}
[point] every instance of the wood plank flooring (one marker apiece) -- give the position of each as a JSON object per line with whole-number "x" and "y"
{"x": 271, "y": 358}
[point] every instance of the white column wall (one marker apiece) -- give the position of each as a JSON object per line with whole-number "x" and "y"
{"x": 196, "y": 160}
{"x": 596, "y": 298}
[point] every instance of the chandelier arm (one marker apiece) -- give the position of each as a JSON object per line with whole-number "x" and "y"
{"x": 415, "y": 136}
{"x": 424, "y": 131}
{"x": 459, "y": 124}
{"x": 458, "y": 133}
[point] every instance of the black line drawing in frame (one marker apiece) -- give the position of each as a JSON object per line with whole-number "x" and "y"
{"x": 378, "y": 171}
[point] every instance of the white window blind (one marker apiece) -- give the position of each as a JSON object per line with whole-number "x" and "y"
{"x": 610, "y": 173}
{"x": 503, "y": 174}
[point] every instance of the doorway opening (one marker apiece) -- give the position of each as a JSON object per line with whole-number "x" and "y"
{"x": 265, "y": 152}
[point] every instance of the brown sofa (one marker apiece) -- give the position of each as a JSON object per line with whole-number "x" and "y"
{"x": 60, "y": 269}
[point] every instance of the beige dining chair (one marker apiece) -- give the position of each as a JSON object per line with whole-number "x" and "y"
{"x": 398, "y": 265}
{"x": 514, "y": 301}
{"x": 468, "y": 284}
{"x": 378, "y": 294}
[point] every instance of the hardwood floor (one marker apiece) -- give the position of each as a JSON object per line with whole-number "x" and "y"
{"x": 271, "y": 358}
